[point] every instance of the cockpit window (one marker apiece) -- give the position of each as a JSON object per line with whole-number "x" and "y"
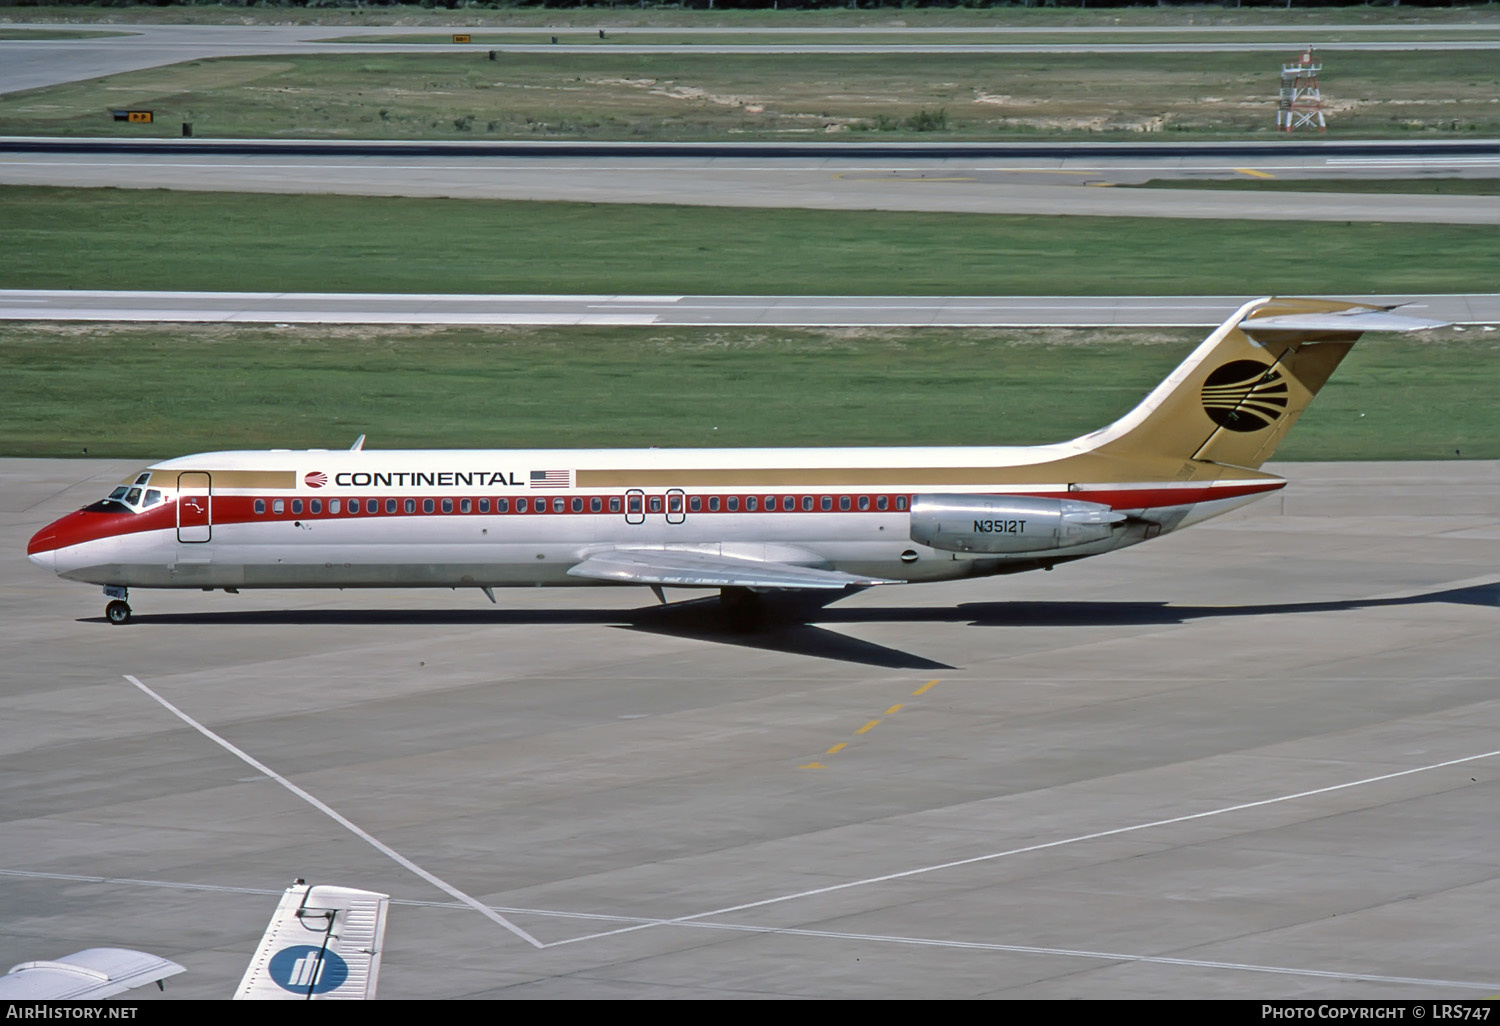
{"x": 153, "y": 496}
{"x": 132, "y": 497}
{"x": 143, "y": 478}
{"x": 119, "y": 493}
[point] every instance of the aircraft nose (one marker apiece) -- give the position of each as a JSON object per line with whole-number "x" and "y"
{"x": 42, "y": 549}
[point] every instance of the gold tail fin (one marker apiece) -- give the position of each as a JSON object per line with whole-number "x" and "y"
{"x": 1236, "y": 396}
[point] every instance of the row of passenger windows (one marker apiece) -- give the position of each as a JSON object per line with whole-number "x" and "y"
{"x": 633, "y": 503}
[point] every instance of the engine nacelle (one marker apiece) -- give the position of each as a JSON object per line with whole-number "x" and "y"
{"x": 1008, "y": 523}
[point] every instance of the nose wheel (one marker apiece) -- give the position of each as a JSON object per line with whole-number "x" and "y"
{"x": 117, "y": 610}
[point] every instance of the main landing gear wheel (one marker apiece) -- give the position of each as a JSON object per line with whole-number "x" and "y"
{"x": 118, "y": 612}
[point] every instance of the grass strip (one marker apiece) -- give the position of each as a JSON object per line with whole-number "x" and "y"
{"x": 149, "y": 391}
{"x": 669, "y": 95}
{"x": 156, "y": 239}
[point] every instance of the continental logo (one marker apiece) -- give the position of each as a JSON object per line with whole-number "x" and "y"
{"x": 317, "y": 479}
{"x": 1244, "y": 395}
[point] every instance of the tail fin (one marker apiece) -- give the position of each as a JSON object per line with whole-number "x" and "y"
{"x": 1236, "y": 396}
{"x": 322, "y": 943}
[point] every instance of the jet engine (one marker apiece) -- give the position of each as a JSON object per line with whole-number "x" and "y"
{"x": 1008, "y": 523}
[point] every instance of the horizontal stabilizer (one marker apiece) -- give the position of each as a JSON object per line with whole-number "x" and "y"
{"x": 687, "y": 569}
{"x": 1356, "y": 319}
{"x": 85, "y": 976}
{"x": 324, "y": 943}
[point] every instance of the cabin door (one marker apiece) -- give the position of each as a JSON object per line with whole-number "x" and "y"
{"x": 195, "y": 504}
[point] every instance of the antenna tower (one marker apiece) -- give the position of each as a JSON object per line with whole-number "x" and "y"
{"x": 1300, "y": 105}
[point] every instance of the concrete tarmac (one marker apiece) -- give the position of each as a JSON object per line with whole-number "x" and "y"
{"x": 1256, "y": 759}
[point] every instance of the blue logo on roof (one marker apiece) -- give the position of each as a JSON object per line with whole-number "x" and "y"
{"x": 304, "y": 969}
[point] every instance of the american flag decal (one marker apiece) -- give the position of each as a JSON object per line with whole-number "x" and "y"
{"x": 549, "y": 479}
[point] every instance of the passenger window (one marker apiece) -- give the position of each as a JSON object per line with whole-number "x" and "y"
{"x": 577, "y": 504}
{"x": 843, "y": 502}
{"x": 751, "y": 504}
{"x": 558, "y": 505}
{"x": 881, "y": 502}
{"x": 788, "y": 503}
{"x": 464, "y": 505}
{"x": 427, "y": 506}
{"x": 655, "y": 502}
{"x": 484, "y": 505}
{"x": 353, "y": 506}
{"x": 713, "y": 504}
{"x": 770, "y": 502}
{"x": 864, "y": 502}
{"x": 260, "y": 506}
{"x": 278, "y": 507}
{"x": 807, "y": 503}
{"x": 614, "y": 504}
{"x": 826, "y": 502}
{"x": 732, "y": 504}
{"x": 333, "y": 505}
{"x": 502, "y": 505}
{"x": 520, "y": 505}
{"x": 447, "y": 505}
{"x": 695, "y": 503}
{"x": 390, "y": 505}
{"x": 411, "y": 505}
{"x": 296, "y": 507}
{"x": 596, "y": 505}
{"x": 635, "y": 504}
{"x": 900, "y": 502}
{"x": 317, "y": 505}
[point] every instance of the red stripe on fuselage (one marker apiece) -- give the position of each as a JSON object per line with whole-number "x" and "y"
{"x": 85, "y": 525}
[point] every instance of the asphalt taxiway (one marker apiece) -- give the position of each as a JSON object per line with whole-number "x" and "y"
{"x": 724, "y": 311}
{"x": 1077, "y": 180}
{"x": 30, "y": 63}
{"x": 1257, "y": 758}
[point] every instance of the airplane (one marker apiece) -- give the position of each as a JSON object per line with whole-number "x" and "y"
{"x": 821, "y": 522}
{"x": 323, "y": 943}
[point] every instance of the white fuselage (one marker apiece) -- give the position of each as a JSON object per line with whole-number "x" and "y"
{"x": 495, "y": 518}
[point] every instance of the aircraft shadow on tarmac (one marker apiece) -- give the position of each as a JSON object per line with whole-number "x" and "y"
{"x": 788, "y": 630}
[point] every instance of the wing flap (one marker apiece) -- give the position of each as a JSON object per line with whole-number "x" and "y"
{"x": 687, "y": 569}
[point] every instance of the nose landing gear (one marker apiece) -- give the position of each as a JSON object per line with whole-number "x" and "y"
{"x": 117, "y": 610}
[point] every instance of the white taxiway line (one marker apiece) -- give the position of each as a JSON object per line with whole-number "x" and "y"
{"x": 383, "y": 848}
{"x": 926, "y": 942}
{"x": 1044, "y": 846}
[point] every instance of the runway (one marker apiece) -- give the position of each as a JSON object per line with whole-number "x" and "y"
{"x": 724, "y": 311}
{"x": 1255, "y": 759}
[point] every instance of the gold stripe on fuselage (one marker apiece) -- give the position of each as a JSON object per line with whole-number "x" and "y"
{"x": 271, "y": 480}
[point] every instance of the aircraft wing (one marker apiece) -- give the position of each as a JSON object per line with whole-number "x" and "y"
{"x": 85, "y": 975}
{"x": 323, "y": 943}
{"x": 688, "y": 569}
